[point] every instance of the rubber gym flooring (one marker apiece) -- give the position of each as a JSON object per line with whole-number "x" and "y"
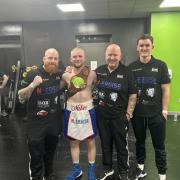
{"x": 14, "y": 153}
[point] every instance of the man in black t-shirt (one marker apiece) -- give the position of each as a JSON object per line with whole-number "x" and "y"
{"x": 41, "y": 90}
{"x": 116, "y": 99}
{"x": 152, "y": 79}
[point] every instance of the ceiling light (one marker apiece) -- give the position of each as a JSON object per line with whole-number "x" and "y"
{"x": 170, "y": 3}
{"x": 71, "y": 7}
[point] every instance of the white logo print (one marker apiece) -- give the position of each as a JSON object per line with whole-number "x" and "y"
{"x": 140, "y": 69}
{"x": 45, "y": 79}
{"x": 150, "y": 92}
{"x": 119, "y": 76}
{"x": 57, "y": 77}
{"x": 43, "y": 104}
{"x": 101, "y": 95}
{"x": 113, "y": 96}
{"x": 55, "y": 100}
{"x": 155, "y": 69}
{"x": 102, "y": 74}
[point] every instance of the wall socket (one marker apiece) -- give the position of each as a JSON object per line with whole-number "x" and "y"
{"x": 179, "y": 100}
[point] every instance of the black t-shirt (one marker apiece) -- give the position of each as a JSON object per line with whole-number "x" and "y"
{"x": 113, "y": 89}
{"x": 149, "y": 78}
{"x": 44, "y": 100}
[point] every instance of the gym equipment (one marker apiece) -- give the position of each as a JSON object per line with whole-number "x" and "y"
{"x": 16, "y": 84}
{"x": 12, "y": 96}
{"x": 3, "y": 92}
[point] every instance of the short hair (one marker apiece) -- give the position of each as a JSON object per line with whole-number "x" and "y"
{"x": 145, "y": 36}
{"x": 114, "y": 46}
{"x": 51, "y": 50}
{"x": 78, "y": 49}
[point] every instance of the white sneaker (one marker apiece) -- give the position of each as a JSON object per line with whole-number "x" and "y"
{"x": 4, "y": 113}
{"x": 138, "y": 173}
{"x": 162, "y": 176}
{"x": 107, "y": 174}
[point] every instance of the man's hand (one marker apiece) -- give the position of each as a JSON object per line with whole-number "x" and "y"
{"x": 129, "y": 116}
{"x": 68, "y": 69}
{"x": 165, "y": 113}
{"x": 36, "y": 82}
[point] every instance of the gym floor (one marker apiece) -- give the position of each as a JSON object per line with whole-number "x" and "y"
{"x": 14, "y": 153}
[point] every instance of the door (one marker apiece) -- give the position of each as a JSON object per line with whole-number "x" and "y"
{"x": 94, "y": 52}
{"x": 95, "y": 47}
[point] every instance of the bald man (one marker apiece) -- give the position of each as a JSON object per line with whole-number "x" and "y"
{"x": 41, "y": 91}
{"x": 79, "y": 121}
{"x": 116, "y": 98}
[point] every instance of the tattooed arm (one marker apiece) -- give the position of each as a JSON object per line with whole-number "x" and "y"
{"x": 131, "y": 105}
{"x": 26, "y": 92}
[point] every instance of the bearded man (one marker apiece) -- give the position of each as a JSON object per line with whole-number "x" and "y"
{"x": 41, "y": 91}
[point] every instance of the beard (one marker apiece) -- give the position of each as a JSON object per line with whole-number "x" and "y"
{"x": 112, "y": 66}
{"x": 77, "y": 66}
{"x": 51, "y": 68}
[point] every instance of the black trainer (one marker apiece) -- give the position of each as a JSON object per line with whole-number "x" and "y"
{"x": 36, "y": 178}
{"x": 52, "y": 177}
{"x": 123, "y": 177}
{"x": 107, "y": 174}
{"x": 139, "y": 174}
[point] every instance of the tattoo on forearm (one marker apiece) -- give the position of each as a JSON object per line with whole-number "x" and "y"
{"x": 132, "y": 103}
{"x": 25, "y": 93}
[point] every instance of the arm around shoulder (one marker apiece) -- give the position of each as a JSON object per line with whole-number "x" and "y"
{"x": 93, "y": 76}
{"x": 63, "y": 81}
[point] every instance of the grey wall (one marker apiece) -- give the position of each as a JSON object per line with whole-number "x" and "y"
{"x": 36, "y": 37}
{"x": 61, "y": 35}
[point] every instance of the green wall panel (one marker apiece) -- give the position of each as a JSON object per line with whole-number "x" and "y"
{"x": 165, "y": 28}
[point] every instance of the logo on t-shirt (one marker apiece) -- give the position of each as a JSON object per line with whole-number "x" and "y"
{"x": 42, "y": 113}
{"x": 57, "y": 78}
{"x": 101, "y": 94}
{"x": 119, "y": 76}
{"x": 43, "y": 104}
{"x": 102, "y": 74}
{"x": 150, "y": 92}
{"x": 154, "y": 69}
{"x": 113, "y": 96}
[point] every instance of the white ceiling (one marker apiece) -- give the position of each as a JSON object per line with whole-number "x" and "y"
{"x": 42, "y": 10}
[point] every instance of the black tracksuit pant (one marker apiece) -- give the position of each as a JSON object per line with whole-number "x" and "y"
{"x": 42, "y": 143}
{"x": 114, "y": 131}
{"x": 157, "y": 127}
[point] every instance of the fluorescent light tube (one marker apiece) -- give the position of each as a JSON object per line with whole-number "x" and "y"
{"x": 170, "y": 3}
{"x": 71, "y": 7}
